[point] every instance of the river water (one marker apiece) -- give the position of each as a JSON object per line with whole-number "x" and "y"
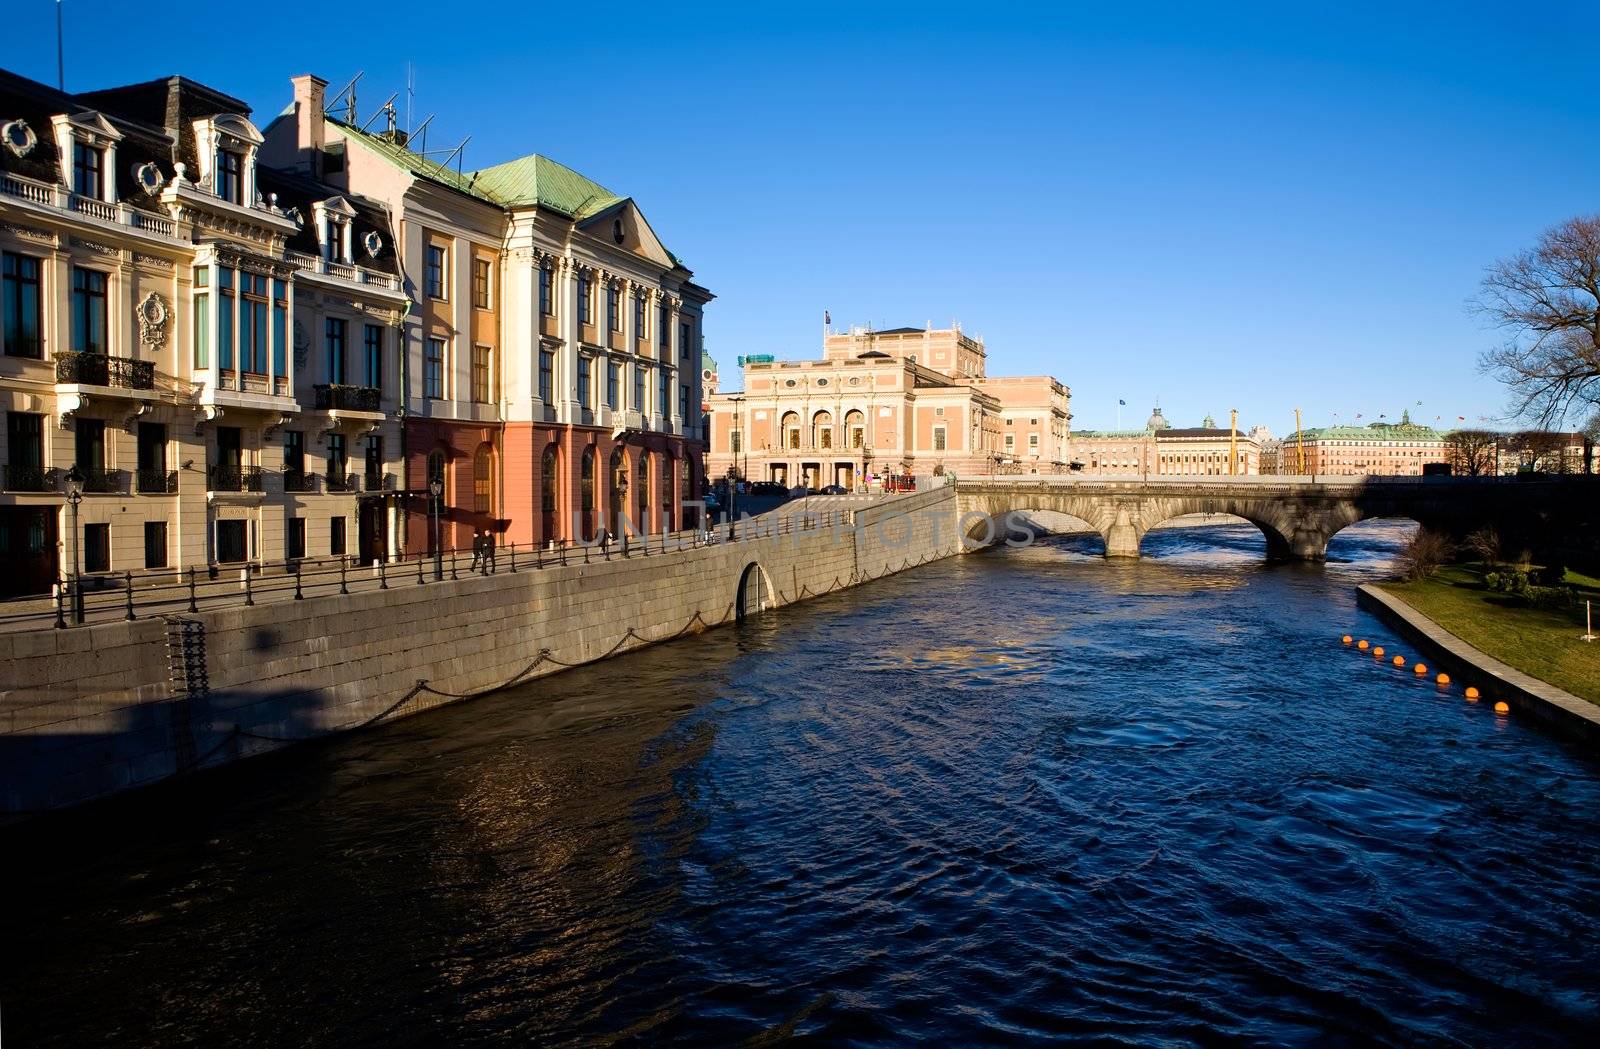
{"x": 1017, "y": 796}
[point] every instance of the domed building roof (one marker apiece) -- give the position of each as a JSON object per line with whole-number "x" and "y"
{"x": 1157, "y": 421}
{"x": 1209, "y": 423}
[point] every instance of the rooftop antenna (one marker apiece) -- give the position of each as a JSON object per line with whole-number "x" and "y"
{"x": 387, "y": 107}
{"x": 411, "y": 94}
{"x": 61, "y": 62}
{"x": 349, "y": 89}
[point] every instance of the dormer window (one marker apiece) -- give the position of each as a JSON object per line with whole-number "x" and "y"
{"x": 230, "y": 176}
{"x": 88, "y": 170}
{"x": 335, "y": 223}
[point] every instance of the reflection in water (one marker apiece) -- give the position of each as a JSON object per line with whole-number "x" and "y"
{"x": 1019, "y": 795}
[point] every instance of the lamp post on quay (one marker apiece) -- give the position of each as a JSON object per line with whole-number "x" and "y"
{"x": 733, "y": 503}
{"x": 74, "y": 497}
{"x": 622, "y": 510}
{"x": 436, "y": 489}
{"x": 866, "y": 457}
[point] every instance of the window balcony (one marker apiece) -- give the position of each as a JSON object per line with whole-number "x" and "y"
{"x": 29, "y": 479}
{"x": 377, "y": 481}
{"x": 348, "y": 398}
{"x": 343, "y": 271}
{"x": 340, "y": 482}
{"x": 234, "y": 479}
{"x": 157, "y": 482}
{"x": 100, "y": 481}
{"x": 97, "y": 369}
{"x": 60, "y": 198}
{"x": 299, "y": 481}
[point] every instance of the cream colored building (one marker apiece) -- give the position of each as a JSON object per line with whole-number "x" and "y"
{"x": 902, "y": 401}
{"x": 160, "y": 306}
{"x": 1159, "y": 449}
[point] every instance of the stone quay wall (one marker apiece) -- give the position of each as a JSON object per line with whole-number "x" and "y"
{"x": 92, "y": 711}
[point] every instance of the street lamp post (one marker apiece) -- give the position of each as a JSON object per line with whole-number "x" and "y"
{"x": 733, "y": 503}
{"x": 74, "y": 497}
{"x": 436, "y": 489}
{"x": 866, "y": 459}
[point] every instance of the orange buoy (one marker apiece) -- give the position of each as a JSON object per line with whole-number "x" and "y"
{"x": 1501, "y": 708}
{"x": 1399, "y": 661}
{"x": 1377, "y": 653}
{"x": 1420, "y": 669}
{"x": 1443, "y": 679}
{"x": 1361, "y": 645}
{"x": 1472, "y": 693}
{"x": 1346, "y": 639}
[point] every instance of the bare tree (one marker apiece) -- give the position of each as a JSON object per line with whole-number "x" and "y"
{"x": 1425, "y": 553}
{"x": 1591, "y": 437}
{"x": 1472, "y": 453}
{"x": 1548, "y": 301}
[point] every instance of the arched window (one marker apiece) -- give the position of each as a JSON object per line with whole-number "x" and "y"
{"x": 586, "y": 481}
{"x": 791, "y": 429}
{"x": 550, "y": 479}
{"x": 855, "y": 425}
{"x": 436, "y": 466}
{"x": 483, "y": 479}
{"x": 822, "y": 430}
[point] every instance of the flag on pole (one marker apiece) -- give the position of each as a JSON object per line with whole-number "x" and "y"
{"x": 1121, "y": 401}
{"x": 827, "y": 318}
{"x": 1358, "y": 415}
{"x": 1461, "y": 418}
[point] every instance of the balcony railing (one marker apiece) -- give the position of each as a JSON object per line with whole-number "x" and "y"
{"x": 344, "y": 271}
{"x": 234, "y": 479}
{"x": 348, "y": 398}
{"x": 299, "y": 481}
{"x": 97, "y": 369}
{"x": 339, "y": 482}
{"x": 377, "y": 481}
{"x": 158, "y": 482}
{"x": 51, "y": 195}
{"x": 28, "y": 479}
{"x": 101, "y": 481}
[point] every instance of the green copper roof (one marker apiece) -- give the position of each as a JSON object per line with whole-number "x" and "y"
{"x": 540, "y": 181}
{"x": 1409, "y": 432}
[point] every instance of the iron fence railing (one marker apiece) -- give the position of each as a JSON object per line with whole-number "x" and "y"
{"x": 348, "y": 398}
{"x": 342, "y": 482}
{"x": 101, "y": 481}
{"x": 234, "y": 479}
{"x": 29, "y": 479}
{"x": 110, "y": 597}
{"x": 299, "y": 481}
{"x": 157, "y": 482}
{"x": 97, "y": 369}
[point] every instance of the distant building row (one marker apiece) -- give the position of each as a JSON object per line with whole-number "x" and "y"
{"x": 268, "y": 344}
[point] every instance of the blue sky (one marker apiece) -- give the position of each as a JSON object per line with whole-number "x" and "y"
{"x": 1259, "y": 207}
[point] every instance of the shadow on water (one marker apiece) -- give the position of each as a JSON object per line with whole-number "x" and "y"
{"x": 1023, "y": 795}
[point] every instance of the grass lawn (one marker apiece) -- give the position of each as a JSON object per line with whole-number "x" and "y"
{"x": 1540, "y": 642}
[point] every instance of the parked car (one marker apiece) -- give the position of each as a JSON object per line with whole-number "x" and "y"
{"x": 768, "y": 488}
{"x": 834, "y": 489}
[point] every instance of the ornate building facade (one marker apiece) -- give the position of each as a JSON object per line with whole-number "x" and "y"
{"x": 901, "y": 401}
{"x": 1159, "y": 449}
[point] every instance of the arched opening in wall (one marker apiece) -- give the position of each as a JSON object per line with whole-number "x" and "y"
{"x": 1373, "y": 543}
{"x": 755, "y": 593}
{"x": 1209, "y": 539}
{"x": 791, "y": 430}
{"x": 822, "y": 429}
{"x": 617, "y": 505}
{"x": 641, "y": 485}
{"x": 550, "y": 493}
{"x": 1047, "y": 533}
{"x": 855, "y": 429}
{"x": 483, "y": 479}
{"x": 586, "y": 503}
{"x": 668, "y": 487}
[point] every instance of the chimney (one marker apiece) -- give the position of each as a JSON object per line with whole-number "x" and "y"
{"x": 310, "y": 132}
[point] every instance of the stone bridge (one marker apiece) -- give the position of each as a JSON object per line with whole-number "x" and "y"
{"x": 1298, "y": 516}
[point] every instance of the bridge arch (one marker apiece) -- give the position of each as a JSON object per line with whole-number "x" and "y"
{"x": 755, "y": 594}
{"x": 1277, "y": 533}
{"x": 1372, "y": 530}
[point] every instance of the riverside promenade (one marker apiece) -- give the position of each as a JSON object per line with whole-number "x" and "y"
{"x": 93, "y": 710}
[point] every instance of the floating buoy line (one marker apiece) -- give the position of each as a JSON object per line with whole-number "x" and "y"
{"x": 1420, "y": 671}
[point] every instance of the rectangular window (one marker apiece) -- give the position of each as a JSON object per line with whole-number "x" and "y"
{"x": 663, "y": 326}
{"x": 225, "y": 319}
{"x": 253, "y": 323}
{"x": 685, "y": 339}
{"x": 583, "y": 379}
{"x": 482, "y": 374}
{"x": 639, "y": 314}
{"x": 433, "y": 371}
{"x": 663, "y": 391}
{"x": 294, "y": 452}
{"x": 97, "y": 548}
{"x": 230, "y": 176}
{"x": 90, "y": 441}
{"x": 280, "y": 328}
{"x": 735, "y": 442}
{"x": 338, "y": 460}
{"x": 613, "y": 315}
{"x": 438, "y": 264}
{"x": 1033, "y": 440}
{"x": 583, "y": 299}
{"x": 639, "y": 382}
{"x": 374, "y": 470}
{"x": 87, "y": 170}
{"x": 683, "y": 403}
{"x": 230, "y": 542}
{"x": 480, "y": 283}
{"x": 336, "y": 536}
{"x": 152, "y": 457}
{"x": 613, "y": 383}
{"x": 294, "y": 546}
{"x": 372, "y": 356}
{"x": 22, "y": 306}
{"x": 155, "y": 544}
{"x": 333, "y": 334}
{"x": 202, "y": 318}
{"x": 547, "y": 376}
{"x": 88, "y": 311}
{"x": 938, "y": 438}
{"x": 547, "y": 298}
{"x": 1011, "y": 441}
{"x": 25, "y": 442}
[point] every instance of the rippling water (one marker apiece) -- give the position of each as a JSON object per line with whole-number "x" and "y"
{"x": 1018, "y": 796}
